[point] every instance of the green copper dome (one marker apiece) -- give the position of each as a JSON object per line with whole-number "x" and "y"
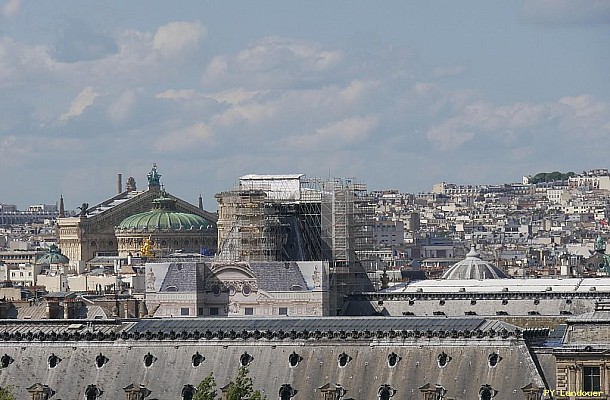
{"x": 163, "y": 217}
{"x": 54, "y": 256}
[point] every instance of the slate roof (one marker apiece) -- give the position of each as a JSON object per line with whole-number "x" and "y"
{"x": 183, "y": 276}
{"x": 314, "y": 324}
{"x": 278, "y": 276}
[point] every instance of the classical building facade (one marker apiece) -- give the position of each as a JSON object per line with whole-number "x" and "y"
{"x": 93, "y": 231}
{"x": 232, "y": 289}
{"x": 164, "y": 230}
{"x": 583, "y": 358}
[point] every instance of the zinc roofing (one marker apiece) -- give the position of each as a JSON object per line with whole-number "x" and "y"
{"x": 309, "y": 324}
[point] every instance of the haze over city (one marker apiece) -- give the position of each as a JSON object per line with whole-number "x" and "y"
{"x": 400, "y": 95}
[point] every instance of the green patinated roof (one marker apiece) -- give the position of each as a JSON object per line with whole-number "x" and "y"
{"x": 163, "y": 217}
{"x": 54, "y": 256}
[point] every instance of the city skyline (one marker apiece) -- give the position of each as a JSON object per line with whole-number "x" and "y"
{"x": 400, "y": 97}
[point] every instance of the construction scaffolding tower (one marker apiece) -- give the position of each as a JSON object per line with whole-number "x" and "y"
{"x": 347, "y": 213}
{"x": 294, "y": 218}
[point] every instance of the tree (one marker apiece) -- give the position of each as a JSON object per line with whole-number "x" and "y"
{"x": 242, "y": 387}
{"x": 551, "y": 177}
{"x": 5, "y": 394}
{"x": 205, "y": 389}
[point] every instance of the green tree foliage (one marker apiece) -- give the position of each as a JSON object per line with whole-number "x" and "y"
{"x": 206, "y": 389}
{"x": 5, "y": 394}
{"x": 242, "y": 387}
{"x": 551, "y": 177}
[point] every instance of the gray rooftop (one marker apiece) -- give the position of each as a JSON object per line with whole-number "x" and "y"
{"x": 182, "y": 277}
{"x": 278, "y": 276}
{"x": 309, "y": 324}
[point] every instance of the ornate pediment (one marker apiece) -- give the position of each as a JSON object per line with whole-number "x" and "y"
{"x": 228, "y": 268}
{"x": 230, "y": 285}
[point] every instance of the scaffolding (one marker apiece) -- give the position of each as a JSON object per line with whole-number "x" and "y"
{"x": 347, "y": 218}
{"x": 248, "y": 230}
{"x": 293, "y": 218}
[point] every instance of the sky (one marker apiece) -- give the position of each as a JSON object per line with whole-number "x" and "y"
{"x": 395, "y": 94}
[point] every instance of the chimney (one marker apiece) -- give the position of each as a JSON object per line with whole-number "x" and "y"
{"x": 200, "y": 202}
{"x": 62, "y": 209}
{"x": 119, "y": 183}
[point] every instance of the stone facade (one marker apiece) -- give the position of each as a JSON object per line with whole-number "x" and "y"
{"x": 231, "y": 289}
{"x": 583, "y": 359}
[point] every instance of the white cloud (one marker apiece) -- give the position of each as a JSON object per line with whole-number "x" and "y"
{"x": 271, "y": 63}
{"x": 187, "y": 138}
{"x": 176, "y": 37}
{"x": 339, "y": 134}
{"x": 177, "y": 95}
{"x": 577, "y": 116}
{"x": 22, "y": 64}
{"x": 11, "y": 8}
{"x": 237, "y": 96}
{"x": 84, "y": 99}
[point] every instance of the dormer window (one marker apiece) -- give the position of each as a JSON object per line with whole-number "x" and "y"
{"x": 393, "y": 359}
{"x": 343, "y": 360}
{"x": 100, "y": 360}
{"x": 188, "y": 392}
{"x": 197, "y": 359}
{"x": 294, "y": 359}
{"x": 245, "y": 359}
{"x": 286, "y": 392}
{"x": 92, "y": 392}
{"x": 6, "y": 360}
{"x": 386, "y": 392}
{"x": 53, "y": 361}
{"x": 443, "y": 359}
{"x": 149, "y": 360}
{"x": 486, "y": 392}
{"x": 493, "y": 359}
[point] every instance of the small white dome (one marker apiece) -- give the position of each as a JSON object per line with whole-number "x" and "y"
{"x": 472, "y": 267}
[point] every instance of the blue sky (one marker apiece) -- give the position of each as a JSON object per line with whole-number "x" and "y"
{"x": 397, "y": 94}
